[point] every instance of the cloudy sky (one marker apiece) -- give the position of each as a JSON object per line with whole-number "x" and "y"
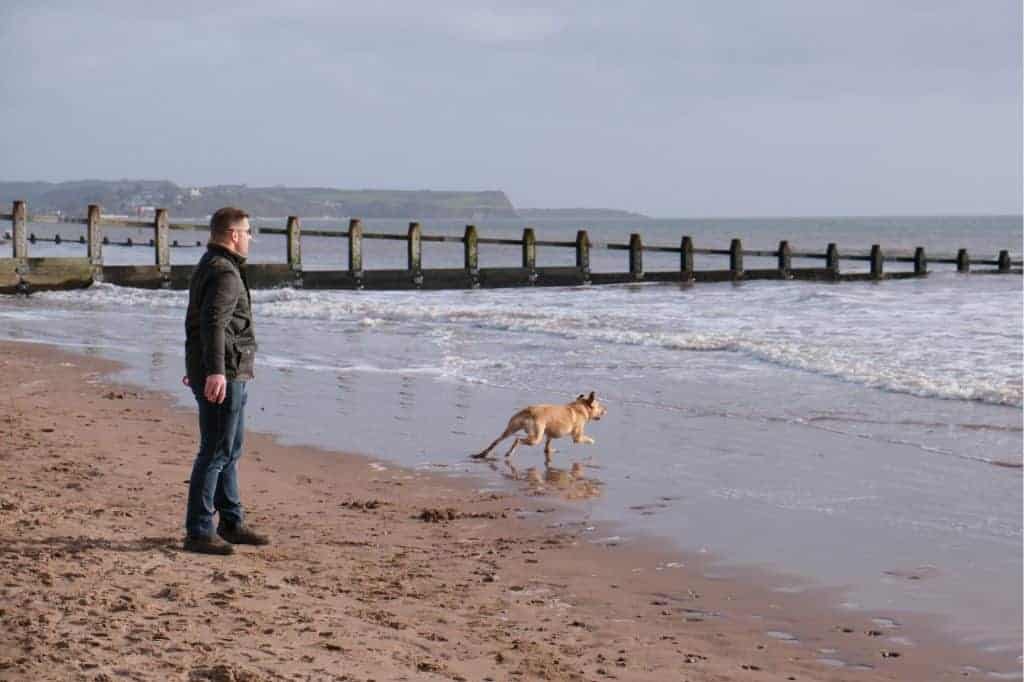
{"x": 672, "y": 108}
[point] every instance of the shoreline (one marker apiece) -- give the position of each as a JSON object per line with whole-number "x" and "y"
{"x": 516, "y": 595}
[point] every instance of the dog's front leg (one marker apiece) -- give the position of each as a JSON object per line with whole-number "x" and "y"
{"x": 578, "y": 437}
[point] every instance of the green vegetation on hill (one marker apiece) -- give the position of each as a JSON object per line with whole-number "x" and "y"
{"x": 134, "y": 196}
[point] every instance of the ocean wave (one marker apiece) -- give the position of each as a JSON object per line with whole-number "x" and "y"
{"x": 921, "y": 372}
{"x": 320, "y": 365}
{"x": 870, "y": 337}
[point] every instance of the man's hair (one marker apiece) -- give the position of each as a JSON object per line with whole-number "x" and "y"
{"x": 224, "y": 220}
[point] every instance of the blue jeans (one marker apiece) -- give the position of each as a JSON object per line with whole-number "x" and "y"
{"x": 213, "y": 486}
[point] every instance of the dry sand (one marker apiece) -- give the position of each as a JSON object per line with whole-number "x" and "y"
{"x": 375, "y": 572}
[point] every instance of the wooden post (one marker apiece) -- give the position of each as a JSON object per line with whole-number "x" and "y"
{"x": 785, "y": 259}
{"x": 95, "y": 235}
{"x": 636, "y": 256}
{"x": 920, "y": 261}
{"x": 19, "y": 240}
{"x": 877, "y": 261}
{"x": 294, "y": 246}
{"x": 471, "y": 251}
{"x": 583, "y": 254}
{"x": 355, "y": 248}
{"x": 160, "y": 234}
{"x": 832, "y": 260}
{"x": 529, "y": 250}
{"x": 686, "y": 259}
{"x": 416, "y": 253}
{"x": 1004, "y": 261}
{"x": 963, "y": 261}
{"x": 736, "y": 258}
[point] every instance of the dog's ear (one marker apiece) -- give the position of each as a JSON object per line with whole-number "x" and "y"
{"x": 591, "y": 398}
{"x": 580, "y": 398}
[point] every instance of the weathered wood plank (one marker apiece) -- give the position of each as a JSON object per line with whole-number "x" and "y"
{"x": 686, "y": 258}
{"x": 330, "y": 279}
{"x": 636, "y": 256}
{"x": 94, "y": 234}
{"x": 471, "y": 253}
{"x": 270, "y": 275}
{"x": 561, "y": 276}
{"x": 10, "y": 280}
{"x": 47, "y": 274}
{"x": 19, "y": 240}
{"x": 736, "y": 258}
{"x": 163, "y": 245}
{"x": 137, "y": 276}
{"x": 785, "y": 259}
{"x": 294, "y": 246}
{"x": 494, "y": 278}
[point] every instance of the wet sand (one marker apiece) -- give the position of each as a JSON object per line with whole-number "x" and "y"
{"x": 375, "y": 573}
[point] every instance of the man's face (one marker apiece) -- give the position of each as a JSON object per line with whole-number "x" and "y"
{"x": 241, "y": 237}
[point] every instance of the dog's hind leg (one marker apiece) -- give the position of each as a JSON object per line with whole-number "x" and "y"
{"x": 515, "y": 444}
{"x": 548, "y": 451}
{"x": 512, "y": 427}
{"x": 534, "y": 435}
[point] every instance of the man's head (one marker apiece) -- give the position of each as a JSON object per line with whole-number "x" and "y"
{"x": 229, "y": 227}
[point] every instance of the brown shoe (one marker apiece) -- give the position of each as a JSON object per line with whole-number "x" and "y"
{"x": 241, "y": 535}
{"x": 207, "y": 544}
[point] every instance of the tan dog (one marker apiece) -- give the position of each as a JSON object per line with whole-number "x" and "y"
{"x": 551, "y": 421}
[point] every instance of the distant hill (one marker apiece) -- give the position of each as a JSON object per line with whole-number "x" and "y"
{"x": 141, "y": 197}
{"x": 578, "y": 214}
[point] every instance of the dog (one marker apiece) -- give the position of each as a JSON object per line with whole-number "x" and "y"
{"x": 550, "y": 422}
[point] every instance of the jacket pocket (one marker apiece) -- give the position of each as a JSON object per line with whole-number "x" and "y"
{"x": 245, "y": 359}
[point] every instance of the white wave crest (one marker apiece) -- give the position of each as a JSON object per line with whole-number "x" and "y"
{"x": 930, "y": 342}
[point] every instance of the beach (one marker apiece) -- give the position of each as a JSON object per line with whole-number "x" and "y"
{"x": 376, "y": 572}
{"x": 815, "y": 455}
{"x": 779, "y": 243}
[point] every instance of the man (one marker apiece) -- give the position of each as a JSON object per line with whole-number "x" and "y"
{"x": 220, "y": 349}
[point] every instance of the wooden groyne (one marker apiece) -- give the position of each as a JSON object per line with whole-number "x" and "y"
{"x": 23, "y": 273}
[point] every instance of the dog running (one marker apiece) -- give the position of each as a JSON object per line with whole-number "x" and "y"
{"x": 550, "y": 422}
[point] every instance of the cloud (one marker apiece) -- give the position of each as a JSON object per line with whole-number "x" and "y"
{"x": 507, "y": 25}
{"x": 679, "y": 106}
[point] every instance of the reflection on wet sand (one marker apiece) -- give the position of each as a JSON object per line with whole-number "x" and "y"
{"x": 569, "y": 484}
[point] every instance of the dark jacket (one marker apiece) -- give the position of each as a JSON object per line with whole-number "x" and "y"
{"x": 219, "y": 335}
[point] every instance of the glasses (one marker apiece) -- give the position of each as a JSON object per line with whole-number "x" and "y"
{"x": 247, "y": 233}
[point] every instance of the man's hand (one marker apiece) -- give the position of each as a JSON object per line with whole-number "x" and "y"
{"x": 185, "y": 381}
{"x": 216, "y": 388}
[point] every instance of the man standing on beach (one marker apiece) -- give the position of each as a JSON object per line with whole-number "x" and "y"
{"x": 220, "y": 349}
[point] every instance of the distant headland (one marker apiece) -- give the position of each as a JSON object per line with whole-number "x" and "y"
{"x": 142, "y": 197}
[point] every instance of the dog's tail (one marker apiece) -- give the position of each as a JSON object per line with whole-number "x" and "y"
{"x": 509, "y": 430}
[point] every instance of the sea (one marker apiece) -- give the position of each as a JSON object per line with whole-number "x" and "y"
{"x": 864, "y": 436}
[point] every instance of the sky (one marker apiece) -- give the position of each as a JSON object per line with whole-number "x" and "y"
{"x": 680, "y": 108}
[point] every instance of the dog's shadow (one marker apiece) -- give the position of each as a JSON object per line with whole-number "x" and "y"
{"x": 569, "y": 484}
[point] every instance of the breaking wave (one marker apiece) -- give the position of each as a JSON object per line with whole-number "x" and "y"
{"x": 939, "y": 341}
